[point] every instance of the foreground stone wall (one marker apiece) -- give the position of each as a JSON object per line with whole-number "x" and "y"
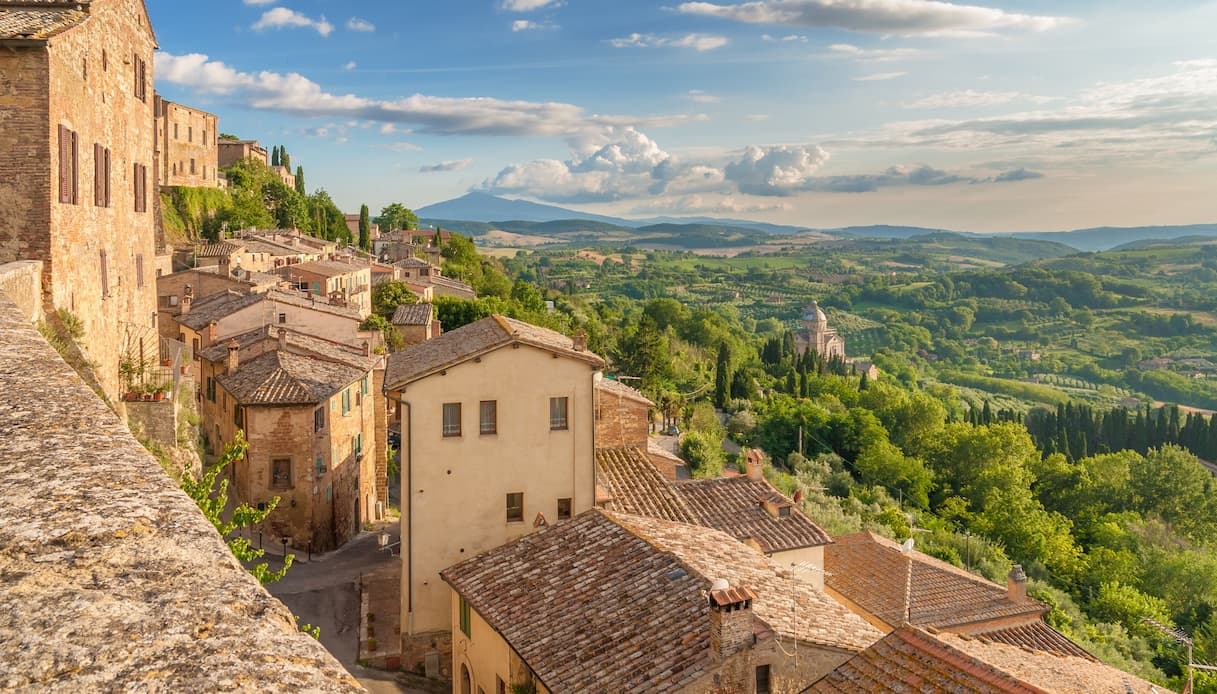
{"x": 110, "y": 578}
{"x": 22, "y": 282}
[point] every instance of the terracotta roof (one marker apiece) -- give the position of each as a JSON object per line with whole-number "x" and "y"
{"x": 413, "y": 262}
{"x": 313, "y": 302}
{"x": 412, "y": 314}
{"x": 31, "y": 20}
{"x": 615, "y": 603}
{"x": 216, "y": 306}
{"x": 283, "y": 378}
{"x": 876, "y": 575}
{"x": 450, "y": 283}
{"x": 653, "y": 448}
{"x": 298, "y": 342}
{"x": 274, "y": 248}
{"x": 1036, "y": 636}
{"x": 590, "y": 606}
{"x": 634, "y": 485}
{"x": 733, "y": 505}
{"x": 474, "y": 339}
{"x": 610, "y": 385}
{"x": 786, "y": 601}
{"x": 218, "y": 250}
{"x": 325, "y": 268}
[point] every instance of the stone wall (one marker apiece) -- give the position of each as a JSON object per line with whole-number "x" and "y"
{"x": 22, "y": 282}
{"x": 113, "y": 579}
{"x": 620, "y": 421}
{"x": 156, "y": 419}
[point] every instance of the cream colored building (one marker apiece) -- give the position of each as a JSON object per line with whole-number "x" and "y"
{"x": 338, "y": 282}
{"x": 497, "y": 422}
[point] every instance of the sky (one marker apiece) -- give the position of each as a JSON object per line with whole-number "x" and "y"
{"x": 1001, "y": 115}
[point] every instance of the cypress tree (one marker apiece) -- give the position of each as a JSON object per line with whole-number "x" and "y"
{"x": 722, "y": 374}
{"x": 285, "y": 159}
{"x": 300, "y": 180}
{"x": 365, "y": 229}
{"x": 274, "y": 156}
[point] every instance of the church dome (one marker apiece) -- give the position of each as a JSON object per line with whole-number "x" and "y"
{"x": 814, "y": 313}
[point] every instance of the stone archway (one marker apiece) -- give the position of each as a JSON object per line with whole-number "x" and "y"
{"x": 466, "y": 683}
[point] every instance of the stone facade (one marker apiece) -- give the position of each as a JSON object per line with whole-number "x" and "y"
{"x": 623, "y": 417}
{"x": 22, "y": 283}
{"x": 232, "y": 151}
{"x": 70, "y": 104}
{"x": 156, "y": 419}
{"x": 187, "y": 153}
{"x": 817, "y": 337}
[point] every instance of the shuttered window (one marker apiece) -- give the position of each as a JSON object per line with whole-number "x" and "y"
{"x": 68, "y": 159}
{"x": 141, "y": 78}
{"x": 105, "y": 277}
{"x": 139, "y": 270}
{"x": 140, "y": 187}
{"x": 101, "y": 175}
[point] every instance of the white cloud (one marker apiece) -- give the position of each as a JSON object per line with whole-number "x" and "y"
{"x": 357, "y": 24}
{"x": 791, "y": 38}
{"x": 877, "y": 55}
{"x": 879, "y": 76}
{"x": 260, "y": 2}
{"x": 297, "y": 95}
{"x": 971, "y": 98}
{"x": 707, "y": 204}
{"x": 528, "y": 5}
{"x": 700, "y": 42}
{"x": 350, "y": 65}
{"x": 403, "y": 147}
{"x": 280, "y": 17}
{"x": 445, "y": 166}
{"x": 903, "y": 17}
{"x": 775, "y": 170}
{"x": 701, "y": 97}
{"x": 528, "y": 25}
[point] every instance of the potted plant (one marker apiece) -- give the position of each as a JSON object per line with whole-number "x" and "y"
{"x": 371, "y": 644}
{"x": 160, "y": 391}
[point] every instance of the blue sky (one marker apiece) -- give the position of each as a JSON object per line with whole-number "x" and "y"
{"x": 996, "y": 115}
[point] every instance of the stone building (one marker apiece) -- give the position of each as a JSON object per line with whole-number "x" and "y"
{"x": 611, "y": 602}
{"x": 817, "y": 336}
{"x": 416, "y": 323}
{"x": 342, "y": 284}
{"x": 497, "y": 423}
{"x": 76, "y": 147}
{"x": 420, "y": 272}
{"x": 307, "y": 410}
{"x": 230, "y": 152}
{"x": 187, "y": 153}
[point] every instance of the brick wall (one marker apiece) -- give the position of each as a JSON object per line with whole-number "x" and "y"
{"x": 621, "y": 421}
{"x": 187, "y": 149}
{"x": 25, "y": 156}
{"x": 22, "y": 282}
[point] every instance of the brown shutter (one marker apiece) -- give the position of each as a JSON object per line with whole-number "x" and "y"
{"x": 98, "y": 189}
{"x": 75, "y": 169}
{"x": 139, "y": 270}
{"x": 105, "y": 277}
{"x": 64, "y": 191}
{"x": 106, "y": 177}
{"x": 135, "y": 185}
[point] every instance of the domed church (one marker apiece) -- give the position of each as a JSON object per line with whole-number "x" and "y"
{"x": 816, "y": 334}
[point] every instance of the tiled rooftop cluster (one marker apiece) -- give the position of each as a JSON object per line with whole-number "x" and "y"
{"x": 39, "y": 19}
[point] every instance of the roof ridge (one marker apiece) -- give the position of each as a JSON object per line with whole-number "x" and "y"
{"x": 931, "y": 645}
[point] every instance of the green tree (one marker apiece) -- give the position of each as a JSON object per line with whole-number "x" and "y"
{"x": 883, "y": 464}
{"x": 397, "y": 216}
{"x": 274, "y": 156}
{"x": 493, "y": 283}
{"x": 212, "y": 500}
{"x": 386, "y": 297}
{"x": 722, "y": 376}
{"x": 365, "y": 229}
{"x": 285, "y": 159}
{"x": 393, "y": 338}
{"x": 300, "y": 180}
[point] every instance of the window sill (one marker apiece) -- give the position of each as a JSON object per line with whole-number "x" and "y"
{"x": 488, "y": 433}
{"x": 515, "y": 522}
{"x": 452, "y": 436}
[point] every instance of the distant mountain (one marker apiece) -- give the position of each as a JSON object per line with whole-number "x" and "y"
{"x": 1198, "y": 240}
{"x": 1106, "y": 238}
{"x": 886, "y": 231}
{"x": 780, "y": 229}
{"x": 480, "y": 207}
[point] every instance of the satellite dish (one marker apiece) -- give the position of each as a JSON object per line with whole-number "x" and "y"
{"x": 720, "y": 584}
{"x": 907, "y": 546}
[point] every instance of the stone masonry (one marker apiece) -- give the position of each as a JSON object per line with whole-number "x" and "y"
{"x": 112, "y": 578}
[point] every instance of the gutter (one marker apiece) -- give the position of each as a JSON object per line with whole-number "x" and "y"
{"x": 408, "y": 536}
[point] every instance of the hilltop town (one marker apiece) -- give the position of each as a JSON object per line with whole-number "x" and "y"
{"x": 486, "y": 472}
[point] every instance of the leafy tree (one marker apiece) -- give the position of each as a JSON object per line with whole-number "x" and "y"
{"x": 212, "y": 501}
{"x": 386, "y": 297}
{"x": 365, "y": 229}
{"x": 397, "y": 216}
{"x": 722, "y": 375}
{"x": 493, "y": 283}
{"x": 883, "y": 464}
{"x": 285, "y": 159}
{"x": 275, "y": 159}
{"x": 300, "y": 180}
{"x": 393, "y": 338}
{"x": 528, "y": 296}
{"x": 704, "y": 453}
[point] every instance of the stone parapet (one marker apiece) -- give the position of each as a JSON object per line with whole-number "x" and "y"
{"x": 113, "y": 579}
{"x": 22, "y": 282}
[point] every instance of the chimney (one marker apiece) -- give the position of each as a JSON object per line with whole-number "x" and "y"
{"x": 579, "y": 341}
{"x": 233, "y": 361}
{"x": 283, "y": 339}
{"x": 212, "y": 330}
{"x": 1016, "y": 584}
{"x": 730, "y": 619}
{"x": 752, "y": 465}
{"x": 187, "y": 299}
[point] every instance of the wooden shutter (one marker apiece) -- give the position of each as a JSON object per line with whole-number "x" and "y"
{"x": 139, "y": 270}
{"x": 106, "y": 176}
{"x": 75, "y": 168}
{"x": 99, "y": 193}
{"x": 105, "y": 277}
{"x": 65, "y": 192}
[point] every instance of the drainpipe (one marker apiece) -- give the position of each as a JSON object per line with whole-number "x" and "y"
{"x": 408, "y": 536}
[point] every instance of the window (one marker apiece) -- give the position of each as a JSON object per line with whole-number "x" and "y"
{"x": 500, "y": 687}
{"x": 329, "y": 493}
{"x": 175, "y": 136}
{"x": 319, "y": 419}
{"x": 488, "y": 417}
{"x": 105, "y": 276}
{"x": 101, "y": 175}
{"x": 465, "y": 618}
{"x": 357, "y": 444}
{"x": 194, "y": 349}
{"x": 192, "y": 166}
{"x": 282, "y": 317}
{"x": 515, "y": 507}
{"x": 140, "y": 188}
{"x": 281, "y": 472}
{"x": 236, "y": 415}
{"x": 141, "y": 78}
{"x": 452, "y": 419}
{"x": 346, "y": 402}
{"x": 139, "y": 270}
{"x": 363, "y": 385}
{"x": 557, "y": 414}
{"x": 762, "y": 679}
{"x": 320, "y": 465}
{"x": 204, "y": 141}
{"x": 563, "y": 509}
{"x": 190, "y": 138}
{"x": 68, "y": 158}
